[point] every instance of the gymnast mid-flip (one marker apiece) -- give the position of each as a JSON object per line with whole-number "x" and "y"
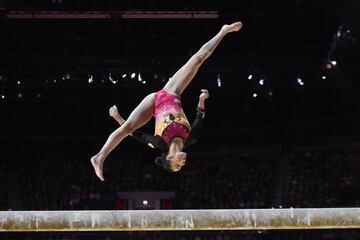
{"x": 155, "y": 141}
{"x": 171, "y": 123}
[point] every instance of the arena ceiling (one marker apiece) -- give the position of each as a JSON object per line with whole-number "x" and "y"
{"x": 52, "y": 59}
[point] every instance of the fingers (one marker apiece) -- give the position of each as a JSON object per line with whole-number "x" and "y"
{"x": 113, "y": 110}
{"x": 206, "y": 92}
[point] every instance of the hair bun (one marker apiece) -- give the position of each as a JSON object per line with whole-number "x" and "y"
{"x": 158, "y": 161}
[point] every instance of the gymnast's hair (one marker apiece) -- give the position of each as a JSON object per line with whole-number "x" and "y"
{"x": 163, "y": 162}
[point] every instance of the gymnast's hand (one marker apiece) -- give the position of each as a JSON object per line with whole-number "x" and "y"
{"x": 204, "y": 94}
{"x": 113, "y": 112}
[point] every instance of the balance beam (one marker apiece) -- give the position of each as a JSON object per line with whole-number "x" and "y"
{"x": 175, "y": 220}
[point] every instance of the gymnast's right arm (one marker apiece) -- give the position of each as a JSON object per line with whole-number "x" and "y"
{"x": 150, "y": 140}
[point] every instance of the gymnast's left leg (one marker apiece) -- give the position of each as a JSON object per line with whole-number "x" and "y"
{"x": 186, "y": 73}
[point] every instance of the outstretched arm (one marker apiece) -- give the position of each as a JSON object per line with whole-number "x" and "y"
{"x": 114, "y": 113}
{"x": 199, "y": 119}
{"x": 150, "y": 140}
{"x": 203, "y": 96}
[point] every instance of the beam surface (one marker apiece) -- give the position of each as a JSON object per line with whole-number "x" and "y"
{"x": 175, "y": 220}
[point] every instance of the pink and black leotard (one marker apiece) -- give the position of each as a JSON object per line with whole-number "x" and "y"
{"x": 170, "y": 122}
{"x": 170, "y": 119}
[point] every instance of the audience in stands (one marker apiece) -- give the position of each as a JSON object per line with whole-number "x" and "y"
{"x": 305, "y": 176}
{"x": 3, "y": 187}
{"x": 212, "y": 180}
{"x": 323, "y": 176}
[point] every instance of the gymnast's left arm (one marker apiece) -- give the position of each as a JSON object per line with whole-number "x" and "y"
{"x": 199, "y": 119}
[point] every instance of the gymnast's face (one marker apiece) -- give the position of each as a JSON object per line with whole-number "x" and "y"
{"x": 177, "y": 160}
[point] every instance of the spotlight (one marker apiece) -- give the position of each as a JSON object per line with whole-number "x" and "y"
{"x": 323, "y": 77}
{"x": 330, "y": 64}
{"x": 250, "y": 76}
{"x": 218, "y": 80}
{"x": 91, "y": 79}
{"x": 111, "y": 79}
{"x": 254, "y": 95}
{"x": 19, "y": 95}
{"x": 18, "y": 82}
{"x": 133, "y": 75}
{"x": 339, "y": 32}
{"x": 300, "y": 81}
{"x": 143, "y": 82}
{"x": 124, "y": 75}
{"x": 2, "y": 96}
{"x": 145, "y": 202}
{"x": 139, "y": 77}
{"x": 261, "y": 82}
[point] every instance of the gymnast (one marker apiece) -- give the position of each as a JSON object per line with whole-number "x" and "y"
{"x": 171, "y": 123}
{"x": 158, "y": 142}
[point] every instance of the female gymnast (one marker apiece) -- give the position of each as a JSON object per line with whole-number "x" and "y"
{"x": 158, "y": 142}
{"x": 170, "y": 121}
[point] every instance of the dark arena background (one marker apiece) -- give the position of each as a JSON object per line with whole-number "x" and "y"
{"x": 282, "y": 121}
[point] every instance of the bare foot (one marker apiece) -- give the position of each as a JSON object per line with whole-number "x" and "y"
{"x": 236, "y": 26}
{"x": 98, "y": 166}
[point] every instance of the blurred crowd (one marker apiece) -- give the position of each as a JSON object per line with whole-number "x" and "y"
{"x": 323, "y": 175}
{"x": 311, "y": 176}
{"x": 216, "y": 179}
{"x": 3, "y": 186}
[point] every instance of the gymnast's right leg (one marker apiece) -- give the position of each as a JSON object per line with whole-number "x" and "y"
{"x": 186, "y": 73}
{"x": 139, "y": 117}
